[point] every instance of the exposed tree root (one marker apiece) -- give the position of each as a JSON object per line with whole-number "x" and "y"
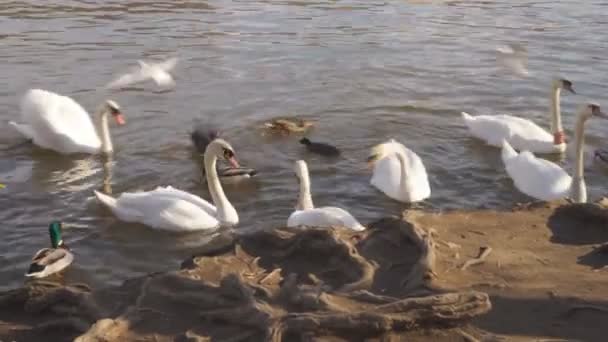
{"x": 483, "y": 254}
{"x": 423, "y": 272}
{"x": 274, "y": 286}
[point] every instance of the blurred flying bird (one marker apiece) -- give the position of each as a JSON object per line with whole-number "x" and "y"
{"x": 514, "y": 58}
{"x": 158, "y": 72}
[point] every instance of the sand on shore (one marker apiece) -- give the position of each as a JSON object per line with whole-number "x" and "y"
{"x": 545, "y": 277}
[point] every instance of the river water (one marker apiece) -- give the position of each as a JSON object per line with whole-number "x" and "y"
{"x": 365, "y": 71}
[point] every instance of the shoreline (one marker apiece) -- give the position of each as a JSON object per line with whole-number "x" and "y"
{"x": 543, "y": 276}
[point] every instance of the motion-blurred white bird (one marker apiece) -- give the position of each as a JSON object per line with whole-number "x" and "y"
{"x": 514, "y": 58}
{"x": 159, "y": 72}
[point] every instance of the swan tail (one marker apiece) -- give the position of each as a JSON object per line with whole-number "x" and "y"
{"x": 25, "y": 130}
{"x": 108, "y": 201}
{"x": 507, "y": 152}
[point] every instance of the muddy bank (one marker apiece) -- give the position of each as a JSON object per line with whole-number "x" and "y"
{"x": 534, "y": 272}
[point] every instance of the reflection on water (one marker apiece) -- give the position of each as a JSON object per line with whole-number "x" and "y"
{"x": 365, "y": 71}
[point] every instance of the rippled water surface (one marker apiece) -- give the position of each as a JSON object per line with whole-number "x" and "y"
{"x": 366, "y": 71}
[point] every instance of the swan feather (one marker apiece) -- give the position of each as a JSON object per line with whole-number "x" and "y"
{"x": 387, "y": 176}
{"x": 57, "y": 122}
{"x": 324, "y": 217}
{"x": 536, "y": 177}
{"x": 164, "y": 208}
{"x": 522, "y": 134}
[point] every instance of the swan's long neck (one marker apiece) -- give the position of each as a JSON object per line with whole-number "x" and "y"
{"x": 556, "y": 119}
{"x": 305, "y": 198}
{"x": 225, "y": 211}
{"x": 578, "y": 188}
{"x": 103, "y": 130}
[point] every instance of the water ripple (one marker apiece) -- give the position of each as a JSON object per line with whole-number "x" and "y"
{"x": 365, "y": 71}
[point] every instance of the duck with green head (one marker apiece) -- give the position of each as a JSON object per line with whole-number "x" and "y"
{"x": 48, "y": 261}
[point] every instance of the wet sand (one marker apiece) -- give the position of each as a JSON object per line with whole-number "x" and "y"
{"x": 545, "y": 277}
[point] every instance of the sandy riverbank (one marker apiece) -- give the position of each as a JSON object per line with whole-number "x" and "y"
{"x": 401, "y": 280}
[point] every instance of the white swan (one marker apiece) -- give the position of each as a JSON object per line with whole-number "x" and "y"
{"x": 544, "y": 180}
{"x": 158, "y": 72}
{"x": 59, "y": 123}
{"x": 523, "y": 134}
{"x": 307, "y": 215}
{"x": 175, "y": 210}
{"x": 399, "y": 172}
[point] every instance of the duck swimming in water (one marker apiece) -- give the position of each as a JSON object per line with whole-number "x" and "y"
{"x": 601, "y": 155}
{"x": 201, "y": 137}
{"x": 320, "y": 148}
{"x": 288, "y": 126}
{"x": 48, "y": 261}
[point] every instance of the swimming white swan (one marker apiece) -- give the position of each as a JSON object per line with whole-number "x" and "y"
{"x": 523, "y": 134}
{"x": 158, "y": 72}
{"x": 175, "y": 210}
{"x": 59, "y": 123}
{"x": 399, "y": 172}
{"x": 544, "y": 180}
{"x": 307, "y": 215}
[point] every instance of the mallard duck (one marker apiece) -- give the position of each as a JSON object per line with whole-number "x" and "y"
{"x": 287, "y": 126}
{"x": 51, "y": 260}
{"x": 201, "y": 137}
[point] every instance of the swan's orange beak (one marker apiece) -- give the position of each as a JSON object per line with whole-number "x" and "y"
{"x": 233, "y": 162}
{"x": 120, "y": 119}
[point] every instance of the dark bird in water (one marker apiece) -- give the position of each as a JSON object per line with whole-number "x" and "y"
{"x": 320, "y": 148}
{"x": 601, "y": 155}
{"x": 201, "y": 137}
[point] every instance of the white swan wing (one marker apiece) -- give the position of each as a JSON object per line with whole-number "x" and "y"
{"x": 343, "y": 216}
{"x": 58, "y": 122}
{"x": 324, "y": 217}
{"x": 136, "y": 76}
{"x": 167, "y": 65}
{"x": 522, "y": 134}
{"x": 538, "y": 178}
{"x": 527, "y": 135}
{"x": 164, "y": 209}
{"x": 416, "y": 186}
{"x": 186, "y": 196}
{"x": 387, "y": 176}
{"x": 491, "y": 129}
